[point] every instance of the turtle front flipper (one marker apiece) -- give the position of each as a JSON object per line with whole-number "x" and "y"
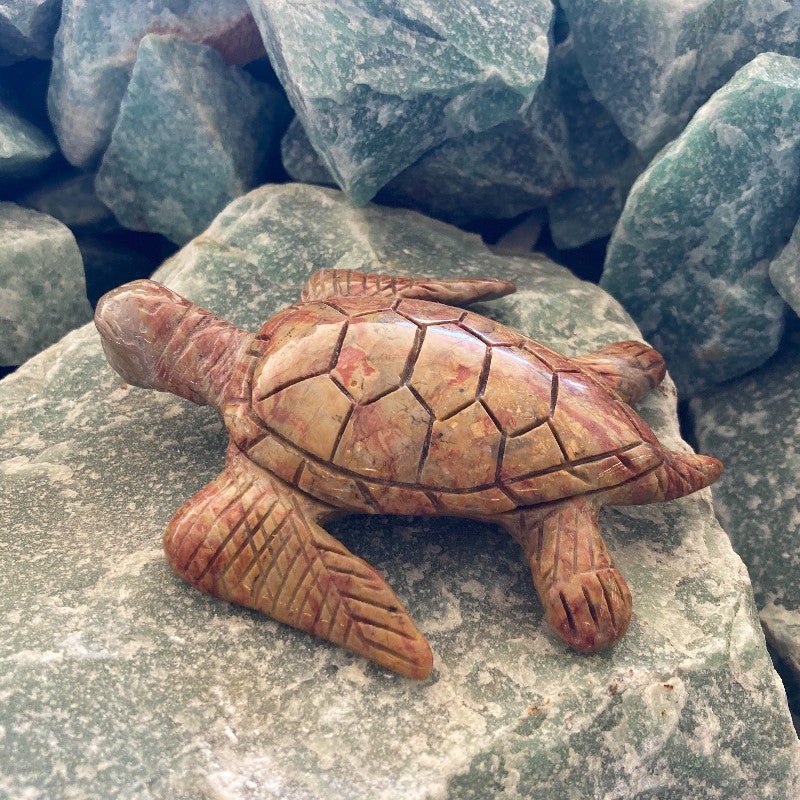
{"x": 250, "y": 539}
{"x": 586, "y": 600}
{"x": 350, "y": 283}
{"x": 630, "y": 369}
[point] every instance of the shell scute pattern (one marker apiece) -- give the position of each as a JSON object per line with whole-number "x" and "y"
{"x": 445, "y": 407}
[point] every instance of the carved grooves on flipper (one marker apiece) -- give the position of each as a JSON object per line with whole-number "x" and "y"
{"x": 326, "y": 283}
{"x": 585, "y": 598}
{"x": 250, "y": 540}
{"x": 493, "y": 337}
{"x": 629, "y": 369}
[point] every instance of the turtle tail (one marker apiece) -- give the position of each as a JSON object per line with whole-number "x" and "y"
{"x": 684, "y": 473}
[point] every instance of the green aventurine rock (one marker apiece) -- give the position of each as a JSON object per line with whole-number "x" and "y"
{"x": 378, "y": 84}
{"x": 654, "y": 63}
{"x": 42, "y": 289}
{"x": 784, "y": 271}
{"x": 465, "y": 180}
{"x": 565, "y": 139}
{"x": 27, "y": 28}
{"x": 192, "y": 134}
{"x": 689, "y": 258}
{"x": 119, "y": 679}
{"x": 752, "y": 425}
{"x": 95, "y": 49}
{"x": 24, "y": 148}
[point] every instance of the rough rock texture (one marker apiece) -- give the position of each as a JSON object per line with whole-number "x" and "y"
{"x": 377, "y": 85}
{"x": 753, "y": 425}
{"x": 71, "y": 199}
{"x": 469, "y": 178}
{"x": 185, "y": 696}
{"x": 654, "y": 63}
{"x": 95, "y": 49}
{"x": 42, "y": 290}
{"x": 563, "y": 140}
{"x": 192, "y": 134}
{"x": 27, "y": 28}
{"x": 784, "y": 271}
{"x": 24, "y": 148}
{"x": 689, "y": 258}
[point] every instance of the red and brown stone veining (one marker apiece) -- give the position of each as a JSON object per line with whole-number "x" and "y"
{"x": 369, "y": 396}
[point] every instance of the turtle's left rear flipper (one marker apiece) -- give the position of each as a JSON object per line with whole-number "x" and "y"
{"x": 348, "y": 283}
{"x": 250, "y": 539}
{"x": 630, "y": 369}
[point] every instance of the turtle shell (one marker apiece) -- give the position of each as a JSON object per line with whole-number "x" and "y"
{"x": 413, "y": 407}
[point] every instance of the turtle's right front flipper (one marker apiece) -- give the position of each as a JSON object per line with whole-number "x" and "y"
{"x": 350, "y": 283}
{"x": 250, "y": 539}
{"x": 586, "y": 600}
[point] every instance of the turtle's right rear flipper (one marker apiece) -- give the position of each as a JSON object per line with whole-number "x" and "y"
{"x": 350, "y": 283}
{"x": 250, "y": 539}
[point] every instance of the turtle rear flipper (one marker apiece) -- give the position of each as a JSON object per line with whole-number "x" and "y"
{"x": 586, "y": 600}
{"x": 351, "y": 283}
{"x": 250, "y": 539}
{"x": 630, "y": 369}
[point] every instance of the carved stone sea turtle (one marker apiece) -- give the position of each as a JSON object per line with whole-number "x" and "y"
{"x": 372, "y": 396}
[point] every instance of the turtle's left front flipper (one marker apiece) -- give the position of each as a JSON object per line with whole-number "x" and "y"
{"x": 349, "y": 283}
{"x": 250, "y": 539}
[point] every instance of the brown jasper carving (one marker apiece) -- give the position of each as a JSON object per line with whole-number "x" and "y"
{"x": 372, "y": 396}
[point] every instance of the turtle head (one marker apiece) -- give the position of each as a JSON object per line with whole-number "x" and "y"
{"x": 157, "y": 339}
{"x": 136, "y": 323}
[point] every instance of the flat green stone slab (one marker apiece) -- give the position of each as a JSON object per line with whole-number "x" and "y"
{"x": 119, "y": 680}
{"x": 752, "y": 425}
{"x": 690, "y": 255}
